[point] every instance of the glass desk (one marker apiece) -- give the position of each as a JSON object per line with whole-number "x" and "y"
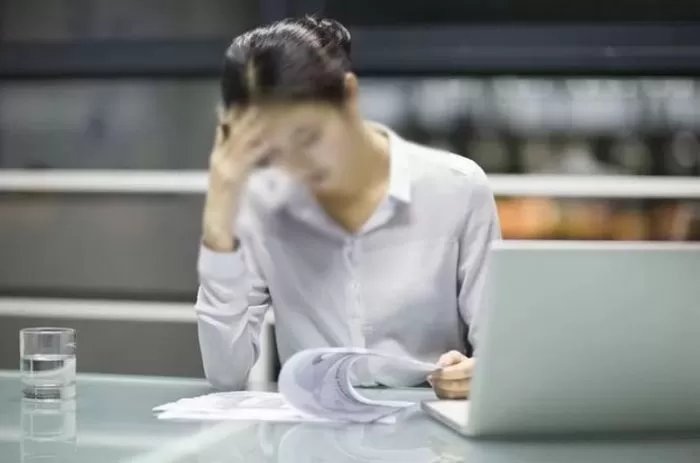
{"x": 111, "y": 421}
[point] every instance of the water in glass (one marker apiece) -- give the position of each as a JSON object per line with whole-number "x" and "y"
{"x": 48, "y": 363}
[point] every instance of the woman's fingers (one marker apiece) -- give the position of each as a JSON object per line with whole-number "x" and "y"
{"x": 450, "y": 358}
{"x": 452, "y": 389}
{"x": 251, "y": 132}
{"x": 455, "y": 366}
{"x": 453, "y": 379}
{"x": 240, "y": 141}
{"x": 454, "y": 372}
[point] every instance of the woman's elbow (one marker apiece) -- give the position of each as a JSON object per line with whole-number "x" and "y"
{"x": 225, "y": 381}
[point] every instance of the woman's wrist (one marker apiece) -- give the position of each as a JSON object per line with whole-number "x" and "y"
{"x": 217, "y": 228}
{"x": 219, "y": 241}
{"x": 219, "y": 216}
{"x": 226, "y": 179}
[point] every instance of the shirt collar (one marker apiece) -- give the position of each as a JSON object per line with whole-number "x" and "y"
{"x": 399, "y": 166}
{"x": 293, "y": 194}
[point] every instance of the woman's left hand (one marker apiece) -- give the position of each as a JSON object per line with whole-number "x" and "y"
{"x": 452, "y": 381}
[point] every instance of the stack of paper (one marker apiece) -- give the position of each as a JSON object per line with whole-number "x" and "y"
{"x": 315, "y": 386}
{"x": 239, "y": 405}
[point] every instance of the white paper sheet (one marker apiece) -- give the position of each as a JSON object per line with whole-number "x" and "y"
{"x": 315, "y": 385}
{"x": 319, "y": 383}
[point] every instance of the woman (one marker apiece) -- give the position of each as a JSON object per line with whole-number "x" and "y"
{"x": 352, "y": 235}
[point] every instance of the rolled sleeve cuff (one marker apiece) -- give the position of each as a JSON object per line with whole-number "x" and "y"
{"x": 221, "y": 265}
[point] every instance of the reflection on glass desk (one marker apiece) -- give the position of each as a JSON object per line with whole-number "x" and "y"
{"x": 47, "y": 430}
{"x": 111, "y": 421}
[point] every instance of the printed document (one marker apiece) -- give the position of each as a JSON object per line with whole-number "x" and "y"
{"x": 315, "y": 385}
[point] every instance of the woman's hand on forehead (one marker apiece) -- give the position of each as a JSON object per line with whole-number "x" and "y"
{"x": 240, "y": 143}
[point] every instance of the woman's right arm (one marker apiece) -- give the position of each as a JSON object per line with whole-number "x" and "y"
{"x": 232, "y": 297}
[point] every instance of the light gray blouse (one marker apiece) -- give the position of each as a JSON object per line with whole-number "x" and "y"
{"x": 409, "y": 283}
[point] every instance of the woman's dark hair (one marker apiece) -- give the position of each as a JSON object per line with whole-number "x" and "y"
{"x": 290, "y": 60}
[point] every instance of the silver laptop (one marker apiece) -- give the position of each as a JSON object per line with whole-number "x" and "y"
{"x": 585, "y": 337}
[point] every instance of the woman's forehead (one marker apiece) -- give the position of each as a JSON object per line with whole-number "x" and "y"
{"x": 285, "y": 118}
{"x": 293, "y": 111}
{"x": 280, "y": 108}
{"x": 295, "y": 116}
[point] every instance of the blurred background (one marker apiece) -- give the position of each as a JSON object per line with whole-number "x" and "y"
{"x": 587, "y": 120}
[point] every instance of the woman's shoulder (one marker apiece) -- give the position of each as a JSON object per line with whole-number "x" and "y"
{"x": 447, "y": 187}
{"x": 434, "y": 165}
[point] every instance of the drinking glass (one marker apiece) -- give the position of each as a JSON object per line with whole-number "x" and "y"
{"x": 47, "y": 363}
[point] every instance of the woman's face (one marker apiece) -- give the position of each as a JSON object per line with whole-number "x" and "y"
{"x": 310, "y": 141}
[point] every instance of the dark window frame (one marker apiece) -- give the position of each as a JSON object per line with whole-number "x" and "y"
{"x": 658, "y": 50}
{"x": 573, "y": 47}
{"x": 582, "y": 49}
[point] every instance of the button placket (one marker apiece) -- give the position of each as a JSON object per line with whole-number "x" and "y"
{"x": 350, "y": 254}
{"x": 352, "y": 265}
